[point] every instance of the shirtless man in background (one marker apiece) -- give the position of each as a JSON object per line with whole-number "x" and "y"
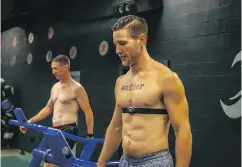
{"x": 66, "y": 97}
{"x": 148, "y": 98}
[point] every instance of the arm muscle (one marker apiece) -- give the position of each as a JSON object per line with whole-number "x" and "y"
{"x": 177, "y": 106}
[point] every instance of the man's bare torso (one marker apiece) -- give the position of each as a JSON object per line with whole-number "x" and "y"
{"x": 65, "y": 104}
{"x": 143, "y": 133}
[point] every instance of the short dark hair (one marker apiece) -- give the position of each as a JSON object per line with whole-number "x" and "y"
{"x": 136, "y": 25}
{"x": 62, "y": 59}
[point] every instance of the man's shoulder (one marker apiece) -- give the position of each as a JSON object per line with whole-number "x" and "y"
{"x": 55, "y": 85}
{"x": 159, "y": 66}
{"x": 121, "y": 78}
{"x": 171, "y": 81}
{"x": 162, "y": 70}
{"x": 77, "y": 86}
{"x": 118, "y": 81}
{"x": 165, "y": 74}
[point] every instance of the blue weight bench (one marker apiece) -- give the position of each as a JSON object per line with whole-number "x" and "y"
{"x": 54, "y": 148}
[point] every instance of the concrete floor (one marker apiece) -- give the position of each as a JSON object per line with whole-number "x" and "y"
{"x": 13, "y": 158}
{"x": 11, "y": 152}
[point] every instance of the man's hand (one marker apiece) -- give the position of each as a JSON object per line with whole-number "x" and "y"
{"x": 101, "y": 164}
{"x": 24, "y": 129}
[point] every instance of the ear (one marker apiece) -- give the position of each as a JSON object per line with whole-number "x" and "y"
{"x": 143, "y": 39}
{"x": 66, "y": 67}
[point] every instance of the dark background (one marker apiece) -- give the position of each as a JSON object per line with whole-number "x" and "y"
{"x": 200, "y": 38}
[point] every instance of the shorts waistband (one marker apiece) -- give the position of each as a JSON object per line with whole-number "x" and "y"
{"x": 65, "y": 125}
{"x": 147, "y": 157}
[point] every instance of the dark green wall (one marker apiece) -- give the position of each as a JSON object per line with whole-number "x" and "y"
{"x": 201, "y": 40}
{"x": 98, "y": 74}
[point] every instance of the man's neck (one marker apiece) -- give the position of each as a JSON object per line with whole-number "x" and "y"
{"x": 66, "y": 79}
{"x": 142, "y": 63}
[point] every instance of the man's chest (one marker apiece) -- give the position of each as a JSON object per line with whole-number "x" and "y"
{"x": 64, "y": 95}
{"x": 139, "y": 92}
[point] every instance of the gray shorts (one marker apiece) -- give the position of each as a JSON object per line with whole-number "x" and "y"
{"x": 162, "y": 158}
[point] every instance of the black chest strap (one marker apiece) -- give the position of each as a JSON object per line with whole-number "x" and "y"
{"x": 132, "y": 110}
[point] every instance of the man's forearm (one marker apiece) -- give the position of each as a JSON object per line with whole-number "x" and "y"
{"x": 89, "y": 122}
{"x": 112, "y": 141}
{"x": 40, "y": 116}
{"x": 183, "y": 147}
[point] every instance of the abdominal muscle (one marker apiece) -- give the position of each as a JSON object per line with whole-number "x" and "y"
{"x": 144, "y": 134}
{"x": 64, "y": 113}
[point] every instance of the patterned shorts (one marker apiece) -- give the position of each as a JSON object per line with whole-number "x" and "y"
{"x": 162, "y": 158}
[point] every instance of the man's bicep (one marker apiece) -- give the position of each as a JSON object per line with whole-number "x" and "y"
{"x": 83, "y": 100}
{"x": 117, "y": 114}
{"x": 176, "y": 102}
{"x": 50, "y": 103}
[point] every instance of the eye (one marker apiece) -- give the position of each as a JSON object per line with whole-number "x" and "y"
{"x": 123, "y": 43}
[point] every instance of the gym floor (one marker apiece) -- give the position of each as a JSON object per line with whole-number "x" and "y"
{"x": 13, "y": 158}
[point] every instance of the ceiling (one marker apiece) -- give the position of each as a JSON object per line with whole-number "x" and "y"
{"x": 15, "y": 12}
{"x": 16, "y": 8}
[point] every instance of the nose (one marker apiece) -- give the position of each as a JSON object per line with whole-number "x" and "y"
{"x": 118, "y": 51}
{"x": 53, "y": 72}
